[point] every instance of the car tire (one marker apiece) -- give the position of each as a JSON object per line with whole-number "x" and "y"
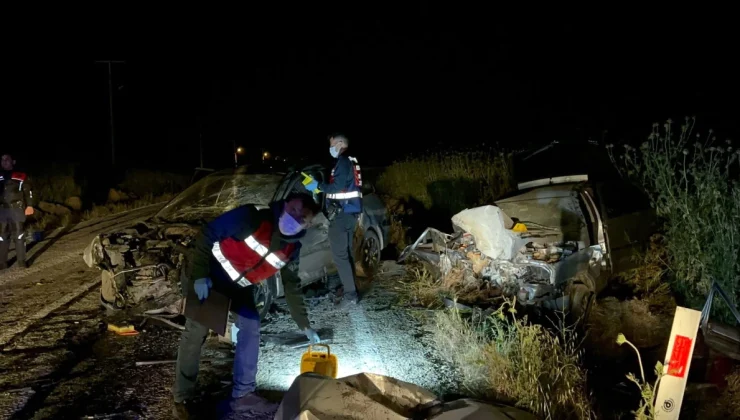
{"x": 264, "y": 296}
{"x": 369, "y": 253}
{"x": 582, "y": 298}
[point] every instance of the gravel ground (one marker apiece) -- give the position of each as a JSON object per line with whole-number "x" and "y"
{"x": 58, "y": 361}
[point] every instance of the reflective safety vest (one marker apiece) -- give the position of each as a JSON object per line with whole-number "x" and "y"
{"x": 353, "y": 193}
{"x": 13, "y": 190}
{"x": 250, "y": 261}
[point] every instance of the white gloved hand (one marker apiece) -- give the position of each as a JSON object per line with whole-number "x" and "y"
{"x": 313, "y": 336}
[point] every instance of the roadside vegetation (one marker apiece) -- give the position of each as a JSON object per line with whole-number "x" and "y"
{"x": 451, "y": 180}
{"x": 693, "y": 184}
{"x": 504, "y": 358}
{"x": 66, "y": 196}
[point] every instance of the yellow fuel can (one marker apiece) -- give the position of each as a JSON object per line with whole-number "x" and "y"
{"x": 319, "y": 362}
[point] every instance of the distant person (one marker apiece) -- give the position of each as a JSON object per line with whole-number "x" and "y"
{"x": 344, "y": 206}
{"x": 237, "y": 250}
{"x": 17, "y": 202}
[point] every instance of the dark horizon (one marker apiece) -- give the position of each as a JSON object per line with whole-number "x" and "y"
{"x": 393, "y": 85}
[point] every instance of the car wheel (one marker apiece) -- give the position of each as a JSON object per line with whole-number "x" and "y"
{"x": 581, "y": 299}
{"x": 264, "y": 295}
{"x": 370, "y": 253}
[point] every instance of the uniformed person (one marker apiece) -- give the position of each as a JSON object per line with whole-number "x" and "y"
{"x": 344, "y": 206}
{"x": 17, "y": 203}
{"x": 231, "y": 254}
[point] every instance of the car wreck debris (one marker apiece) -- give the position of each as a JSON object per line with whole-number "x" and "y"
{"x": 504, "y": 262}
{"x": 141, "y": 266}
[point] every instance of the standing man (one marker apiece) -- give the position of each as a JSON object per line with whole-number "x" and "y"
{"x": 17, "y": 202}
{"x": 232, "y": 253}
{"x": 344, "y": 206}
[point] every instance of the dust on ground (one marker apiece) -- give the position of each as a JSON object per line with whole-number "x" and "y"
{"x": 64, "y": 364}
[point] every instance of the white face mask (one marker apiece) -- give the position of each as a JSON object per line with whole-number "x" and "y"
{"x": 288, "y": 225}
{"x": 333, "y": 151}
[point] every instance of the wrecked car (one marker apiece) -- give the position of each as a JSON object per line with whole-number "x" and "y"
{"x": 553, "y": 243}
{"x": 141, "y": 265}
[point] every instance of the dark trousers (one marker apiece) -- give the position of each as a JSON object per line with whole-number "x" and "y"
{"x": 341, "y": 232}
{"x": 245, "y": 357}
{"x": 195, "y": 334}
{"x": 11, "y": 229}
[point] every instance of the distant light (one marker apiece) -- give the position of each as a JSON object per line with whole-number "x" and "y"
{"x": 240, "y": 150}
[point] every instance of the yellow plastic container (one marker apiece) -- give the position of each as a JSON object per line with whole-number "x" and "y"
{"x": 519, "y": 227}
{"x": 318, "y": 362}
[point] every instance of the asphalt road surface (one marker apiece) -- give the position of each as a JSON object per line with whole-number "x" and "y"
{"x": 58, "y": 361}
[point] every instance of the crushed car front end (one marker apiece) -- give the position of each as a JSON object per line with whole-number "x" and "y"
{"x": 537, "y": 245}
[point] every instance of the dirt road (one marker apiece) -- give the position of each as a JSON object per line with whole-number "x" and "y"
{"x": 57, "y": 360}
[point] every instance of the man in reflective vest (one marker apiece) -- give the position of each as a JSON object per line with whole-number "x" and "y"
{"x": 344, "y": 205}
{"x": 15, "y": 204}
{"x": 235, "y": 251}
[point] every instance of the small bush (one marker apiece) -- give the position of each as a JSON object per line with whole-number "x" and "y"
{"x": 693, "y": 185}
{"x": 506, "y": 359}
{"x": 55, "y": 183}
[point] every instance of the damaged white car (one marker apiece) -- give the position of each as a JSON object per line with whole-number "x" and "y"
{"x": 141, "y": 265}
{"x": 554, "y": 243}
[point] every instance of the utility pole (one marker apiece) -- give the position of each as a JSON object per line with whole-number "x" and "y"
{"x": 110, "y": 106}
{"x": 200, "y": 140}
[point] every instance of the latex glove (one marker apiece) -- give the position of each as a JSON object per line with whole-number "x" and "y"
{"x": 202, "y": 286}
{"x": 312, "y": 185}
{"x": 313, "y": 336}
{"x": 28, "y": 211}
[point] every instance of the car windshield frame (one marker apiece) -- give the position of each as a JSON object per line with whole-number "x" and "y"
{"x": 218, "y": 193}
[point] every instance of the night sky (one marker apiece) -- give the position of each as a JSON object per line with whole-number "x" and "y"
{"x": 396, "y": 81}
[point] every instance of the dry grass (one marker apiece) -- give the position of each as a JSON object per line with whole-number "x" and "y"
{"x": 647, "y": 318}
{"x": 423, "y": 286}
{"x": 143, "y": 182}
{"x": 643, "y": 326}
{"x": 113, "y": 208}
{"x": 649, "y": 280}
{"x": 730, "y": 398}
{"x": 420, "y": 287}
{"x": 443, "y": 183}
{"x": 449, "y": 179}
{"x": 726, "y": 405}
{"x": 503, "y": 358}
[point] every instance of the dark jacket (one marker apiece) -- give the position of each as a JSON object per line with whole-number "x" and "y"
{"x": 15, "y": 189}
{"x": 240, "y": 223}
{"x": 343, "y": 180}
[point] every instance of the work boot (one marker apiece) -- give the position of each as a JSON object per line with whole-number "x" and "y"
{"x": 349, "y": 300}
{"x": 22, "y": 264}
{"x": 181, "y": 411}
{"x": 253, "y": 403}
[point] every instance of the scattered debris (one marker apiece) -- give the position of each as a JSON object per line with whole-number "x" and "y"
{"x": 486, "y": 254}
{"x": 172, "y": 361}
{"x": 125, "y": 330}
